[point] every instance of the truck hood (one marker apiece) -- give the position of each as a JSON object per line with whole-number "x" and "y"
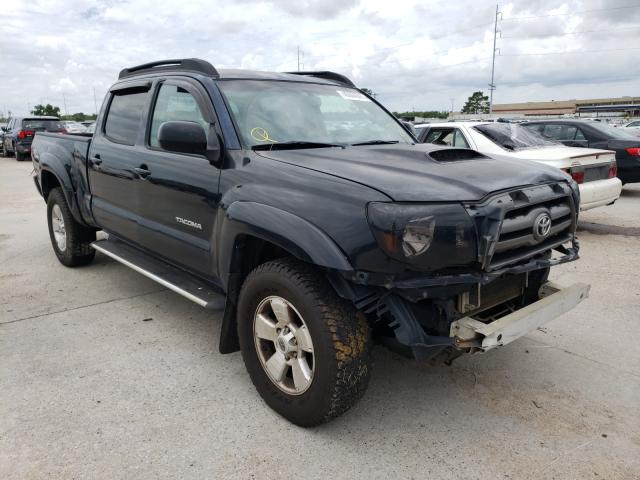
{"x": 406, "y": 173}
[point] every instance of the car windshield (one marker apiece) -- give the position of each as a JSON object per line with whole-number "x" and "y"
{"x": 511, "y": 136}
{"x": 42, "y": 125}
{"x": 270, "y": 112}
{"x": 613, "y": 132}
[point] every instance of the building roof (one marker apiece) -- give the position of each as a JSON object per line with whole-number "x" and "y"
{"x": 565, "y": 106}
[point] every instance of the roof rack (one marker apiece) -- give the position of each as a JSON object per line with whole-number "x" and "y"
{"x": 336, "y": 77}
{"x": 187, "y": 64}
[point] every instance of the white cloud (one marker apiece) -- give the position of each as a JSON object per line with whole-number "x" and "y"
{"x": 413, "y": 53}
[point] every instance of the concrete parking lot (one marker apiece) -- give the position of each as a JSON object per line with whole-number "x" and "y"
{"x": 105, "y": 374}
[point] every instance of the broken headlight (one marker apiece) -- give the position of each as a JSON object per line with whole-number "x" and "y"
{"x": 432, "y": 236}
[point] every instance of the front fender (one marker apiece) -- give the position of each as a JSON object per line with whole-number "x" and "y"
{"x": 294, "y": 234}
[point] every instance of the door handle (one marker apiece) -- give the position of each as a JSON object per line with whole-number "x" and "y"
{"x": 142, "y": 171}
{"x": 96, "y": 160}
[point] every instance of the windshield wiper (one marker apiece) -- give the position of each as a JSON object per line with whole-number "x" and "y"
{"x": 293, "y": 145}
{"x": 376, "y": 142}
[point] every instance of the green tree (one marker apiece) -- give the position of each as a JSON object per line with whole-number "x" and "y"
{"x": 478, "y": 102}
{"x": 47, "y": 109}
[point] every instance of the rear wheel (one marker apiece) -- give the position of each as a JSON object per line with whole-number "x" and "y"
{"x": 19, "y": 156}
{"x": 71, "y": 241}
{"x": 307, "y": 350}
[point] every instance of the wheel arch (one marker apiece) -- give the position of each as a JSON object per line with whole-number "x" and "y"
{"x": 252, "y": 234}
{"x": 53, "y": 175}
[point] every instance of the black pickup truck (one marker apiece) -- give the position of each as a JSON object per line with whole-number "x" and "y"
{"x": 305, "y": 210}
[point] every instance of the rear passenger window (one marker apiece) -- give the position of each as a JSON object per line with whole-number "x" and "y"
{"x": 123, "y": 119}
{"x": 174, "y": 104}
{"x": 553, "y": 131}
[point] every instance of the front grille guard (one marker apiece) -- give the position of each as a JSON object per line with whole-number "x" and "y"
{"x": 489, "y": 215}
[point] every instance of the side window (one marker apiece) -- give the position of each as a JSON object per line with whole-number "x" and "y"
{"x": 123, "y": 119}
{"x": 569, "y": 132}
{"x": 174, "y": 104}
{"x": 579, "y": 134}
{"x": 459, "y": 140}
{"x": 440, "y": 136}
{"x": 553, "y": 131}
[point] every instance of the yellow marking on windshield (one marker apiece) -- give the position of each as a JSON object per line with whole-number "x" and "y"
{"x": 260, "y": 134}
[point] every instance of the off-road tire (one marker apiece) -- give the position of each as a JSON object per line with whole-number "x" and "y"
{"x": 78, "y": 249}
{"x": 340, "y": 335}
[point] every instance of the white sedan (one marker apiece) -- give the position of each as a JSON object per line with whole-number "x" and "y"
{"x": 594, "y": 170}
{"x": 634, "y": 127}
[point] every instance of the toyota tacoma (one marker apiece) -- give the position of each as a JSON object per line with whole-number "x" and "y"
{"x": 307, "y": 212}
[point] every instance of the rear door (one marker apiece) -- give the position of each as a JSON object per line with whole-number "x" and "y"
{"x": 179, "y": 192}
{"x": 569, "y": 135}
{"x": 113, "y": 157}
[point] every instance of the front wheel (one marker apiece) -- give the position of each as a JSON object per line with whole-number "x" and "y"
{"x": 71, "y": 241}
{"x": 306, "y": 349}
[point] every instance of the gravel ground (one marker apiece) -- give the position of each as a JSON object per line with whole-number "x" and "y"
{"x": 105, "y": 374}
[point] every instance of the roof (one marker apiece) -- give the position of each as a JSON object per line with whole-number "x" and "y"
{"x": 451, "y": 124}
{"x": 562, "y": 120}
{"x": 232, "y": 74}
{"x": 38, "y": 117}
{"x": 202, "y": 67}
{"x": 566, "y": 106}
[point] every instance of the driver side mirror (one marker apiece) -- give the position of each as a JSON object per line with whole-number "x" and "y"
{"x": 189, "y": 137}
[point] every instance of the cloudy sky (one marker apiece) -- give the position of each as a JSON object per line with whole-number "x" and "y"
{"x": 412, "y": 53}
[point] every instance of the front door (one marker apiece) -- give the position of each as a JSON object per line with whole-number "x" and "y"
{"x": 178, "y": 196}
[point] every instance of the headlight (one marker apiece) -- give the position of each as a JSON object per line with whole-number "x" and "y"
{"x": 431, "y": 236}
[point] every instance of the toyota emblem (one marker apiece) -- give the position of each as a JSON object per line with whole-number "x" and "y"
{"x": 542, "y": 226}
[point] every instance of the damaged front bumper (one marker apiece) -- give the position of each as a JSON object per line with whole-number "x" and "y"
{"x": 555, "y": 300}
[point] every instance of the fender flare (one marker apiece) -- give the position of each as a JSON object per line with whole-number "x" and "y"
{"x": 294, "y": 234}
{"x": 51, "y": 164}
{"x": 290, "y": 232}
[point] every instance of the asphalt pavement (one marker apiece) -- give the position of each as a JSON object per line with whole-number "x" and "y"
{"x": 105, "y": 374}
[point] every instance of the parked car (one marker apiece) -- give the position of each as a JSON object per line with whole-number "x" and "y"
{"x": 305, "y": 209}
{"x": 593, "y": 170}
{"x": 577, "y": 133}
{"x": 91, "y": 128}
{"x": 20, "y": 131}
{"x": 634, "y": 127}
{"x": 3, "y": 128}
{"x": 74, "y": 127}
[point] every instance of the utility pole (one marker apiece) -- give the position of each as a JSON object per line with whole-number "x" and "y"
{"x": 298, "y": 58}
{"x": 492, "y": 85}
{"x": 451, "y": 104}
{"x": 64, "y": 101}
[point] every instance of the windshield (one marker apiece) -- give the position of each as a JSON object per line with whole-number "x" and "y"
{"x": 511, "y": 136}
{"x": 613, "y": 132}
{"x": 270, "y": 112}
{"x": 42, "y": 125}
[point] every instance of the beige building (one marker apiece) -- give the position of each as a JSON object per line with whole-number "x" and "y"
{"x": 628, "y": 105}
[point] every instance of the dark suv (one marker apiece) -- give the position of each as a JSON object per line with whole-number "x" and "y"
{"x": 310, "y": 214}
{"x": 19, "y": 133}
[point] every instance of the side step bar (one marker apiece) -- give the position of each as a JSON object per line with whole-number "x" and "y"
{"x": 166, "y": 275}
